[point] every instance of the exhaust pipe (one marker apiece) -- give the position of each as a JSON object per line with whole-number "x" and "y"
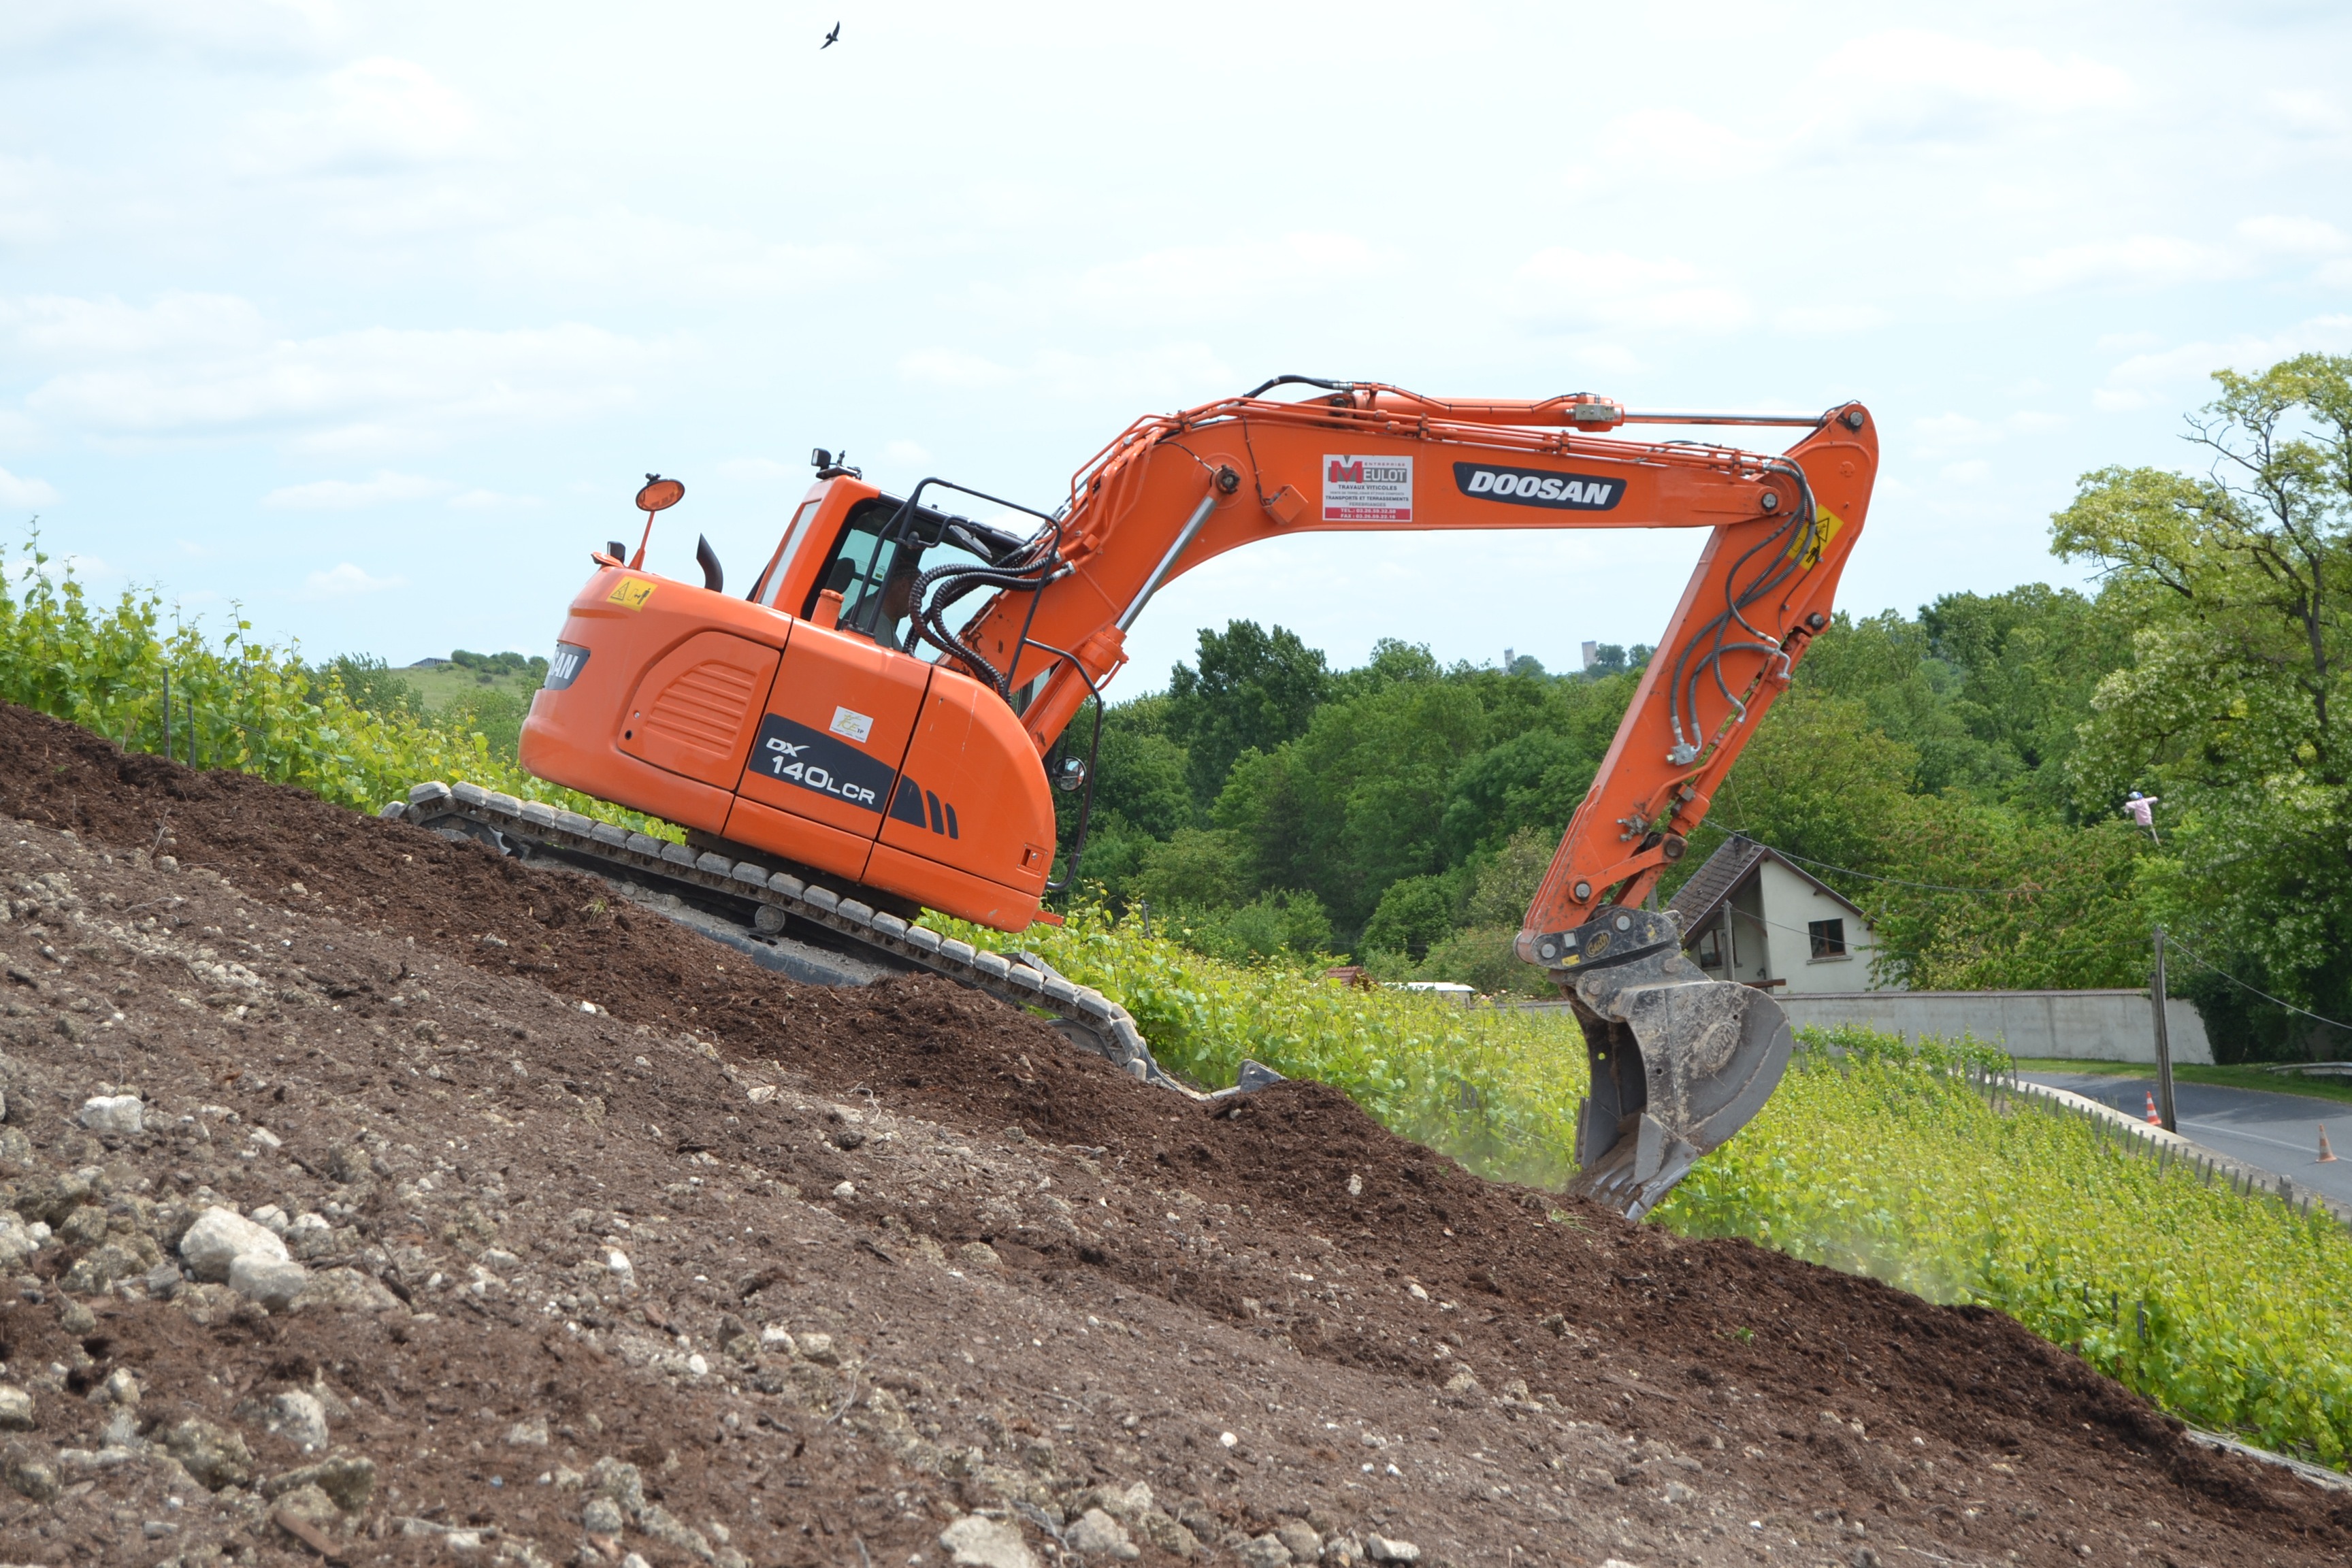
{"x": 1679, "y": 1062}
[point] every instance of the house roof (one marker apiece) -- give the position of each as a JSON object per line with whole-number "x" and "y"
{"x": 1699, "y": 898}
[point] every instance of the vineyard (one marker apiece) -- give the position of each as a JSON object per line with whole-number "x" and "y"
{"x": 1871, "y": 1158}
{"x": 235, "y": 703}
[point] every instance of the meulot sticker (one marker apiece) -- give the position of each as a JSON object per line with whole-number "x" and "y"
{"x": 1367, "y": 489}
{"x": 851, "y": 725}
{"x": 631, "y": 594}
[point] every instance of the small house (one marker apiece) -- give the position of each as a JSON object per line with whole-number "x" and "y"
{"x": 1750, "y": 914}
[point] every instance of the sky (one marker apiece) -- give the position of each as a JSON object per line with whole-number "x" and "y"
{"x": 365, "y": 322}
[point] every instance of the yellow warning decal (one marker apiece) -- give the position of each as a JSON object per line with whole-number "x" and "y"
{"x": 632, "y": 593}
{"x": 1807, "y": 551}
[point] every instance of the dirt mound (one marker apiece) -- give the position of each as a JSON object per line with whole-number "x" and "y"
{"x": 891, "y": 1261}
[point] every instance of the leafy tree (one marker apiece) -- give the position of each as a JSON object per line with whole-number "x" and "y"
{"x": 1818, "y": 779}
{"x": 1271, "y": 927}
{"x": 2032, "y": 659}
{"x": 2235, "y": 708}
{"x": 1254, "y": 689}
{"x": 1413, "y": 912}
{"x": 1198, "y": 870}
{"x": 373, "y": 685}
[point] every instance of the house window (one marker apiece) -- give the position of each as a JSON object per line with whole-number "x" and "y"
{"x": 1710, "y": 948}
{"x": 1828, "y": 938}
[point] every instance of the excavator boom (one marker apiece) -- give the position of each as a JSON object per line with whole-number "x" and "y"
{"x": 873, "y": 712}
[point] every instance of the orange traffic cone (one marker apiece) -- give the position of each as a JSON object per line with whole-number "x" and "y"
{"x": 2327, "y": 1155}
{"x": 2152, "y": 1116}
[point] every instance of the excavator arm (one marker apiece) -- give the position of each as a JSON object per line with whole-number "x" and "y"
{"x": 1680, "y": 1062}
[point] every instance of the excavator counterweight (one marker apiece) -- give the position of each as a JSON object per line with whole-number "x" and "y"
{"x": 863, "y": 735}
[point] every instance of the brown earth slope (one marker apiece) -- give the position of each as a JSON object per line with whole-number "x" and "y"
{"x": 728, "y": 1269}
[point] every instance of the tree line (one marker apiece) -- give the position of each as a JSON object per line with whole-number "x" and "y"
{"x": 1958, "y": 772}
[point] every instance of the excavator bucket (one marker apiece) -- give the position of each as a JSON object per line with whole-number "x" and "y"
{"x": 1679, "y": 1064}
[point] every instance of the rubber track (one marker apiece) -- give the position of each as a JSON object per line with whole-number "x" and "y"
{"x": 1110, "y": 1027}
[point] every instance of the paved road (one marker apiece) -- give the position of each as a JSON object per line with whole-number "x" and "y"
{"x": 2274, "y": 1133}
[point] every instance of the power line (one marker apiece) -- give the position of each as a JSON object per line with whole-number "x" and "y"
{"x": 2195, "y": 958}
{"x": 1901, "y": 882}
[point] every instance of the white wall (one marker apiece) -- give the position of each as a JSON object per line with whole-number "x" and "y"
{"x": 2091, "y": 1025}
{"x": 1791, "y": 904}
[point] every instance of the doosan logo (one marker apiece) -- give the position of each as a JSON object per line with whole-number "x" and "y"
{"x": 1534, "y": 486}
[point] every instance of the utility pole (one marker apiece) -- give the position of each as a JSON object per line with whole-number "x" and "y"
{"x": 2163, "y": 1043}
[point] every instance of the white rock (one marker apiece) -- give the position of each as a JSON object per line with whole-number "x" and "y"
{"x": 698, "y": 1363}
{"x": 530, "y": 1434}
{"x": 818, "y": 1348}
{"x": 219, "y": 1237}
{"x": 272, "y": 1281}
{"x": 16, "y": 1408}
{"x": 845, "y": 1191}
{"x": 271, "y": 1218}
{"x": 1265, "y": 1552}
{"x": 113, "y": 1113}
{"x": 623, "y": 1272}
{"x": 974, "y": 1541}
{"x": 17, "y": 1241}
{"x": 776, "y": 1337}
{"x": 300, "y": 1419}
{"x": 1380, "y": 1549}
{"x": 1096, "y": 1534}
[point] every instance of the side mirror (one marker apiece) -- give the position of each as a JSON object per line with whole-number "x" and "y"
{"x": 1071, "y": 775}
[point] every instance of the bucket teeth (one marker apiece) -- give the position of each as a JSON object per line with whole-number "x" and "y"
{"x": 1679, "y": 1064}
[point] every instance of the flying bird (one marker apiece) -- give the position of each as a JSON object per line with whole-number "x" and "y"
{"x": 831, "y": 38}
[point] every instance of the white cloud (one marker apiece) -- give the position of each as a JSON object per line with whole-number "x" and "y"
{"x": 14, "y": 492}
{"x": 1228, "y": 274}
{"x": 194, "y": 365}
{"x": 231, "y": 27}
{"x": 618, "y": 246}
{"x": 2148, "y": 261}
{"x": 2295, "y": 235}
{"x": 1829, "y": 321}
{"x": 907, "y": 454}
{"x": 1970, "y": 472}
{"x": 1568, "y": 290}
{"x": 1945, "y": 432}
{"x": 950, "y": 368}
{"x": 491, "y": 500}
{"x": 1164, "y": 376}
{"x": 2181, "y": 375}
{"x": 759, "y": 471}
{"x": 375, "y": 115}
{"x": 345, "y": 580}
{"x": 2315, "y": 115}
{"x": 1909, "y": 85}
{"x": 349, "y": 495}
{"x": 59, "y": 327}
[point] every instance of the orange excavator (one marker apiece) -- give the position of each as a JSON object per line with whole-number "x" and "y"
{"x": 876, "y": 726}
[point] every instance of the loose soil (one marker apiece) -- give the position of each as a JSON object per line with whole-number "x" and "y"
{"x": 607, "y": 1230}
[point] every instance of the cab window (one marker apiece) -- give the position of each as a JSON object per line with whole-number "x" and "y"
{"x": 875, "y": 564}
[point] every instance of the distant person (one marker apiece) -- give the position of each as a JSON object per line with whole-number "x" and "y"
{"x": 2141, "y": 808}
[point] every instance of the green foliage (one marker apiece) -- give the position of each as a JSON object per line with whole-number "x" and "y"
{"x": 1879, "y": 1160}
{"x": 371, "y": 684}
{"x": 2235, "y": 708}
{"x": 1290, "y": 928}
{"x": 1415, "y": 912}
{"x": 1252, "y": 690}
{"x": 236, "y": 703}
{"x": 1495, "y": 1088}
{"x": 498, "y": 664}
